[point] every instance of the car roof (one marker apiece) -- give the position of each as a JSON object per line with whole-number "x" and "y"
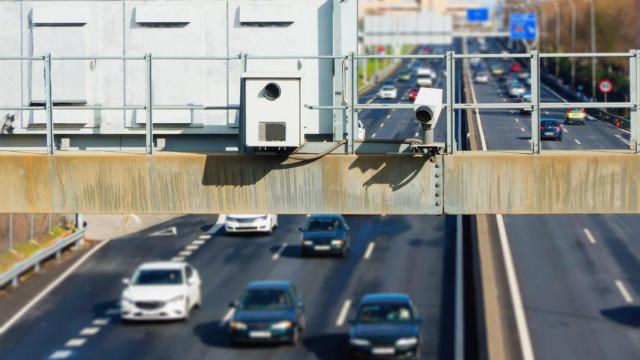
{"x": 553, "y": 120}
{"x": 161, "y": 265}
{"x": 269, "y": 284}
{"x": 325, "y": 216}
{"x": 385, "y": 297}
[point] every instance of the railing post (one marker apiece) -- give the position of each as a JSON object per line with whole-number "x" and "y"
{"x": 48, "y": 95}
{"x": 634, "y": 88}
{"x": 353, "y": 115}
{"x": 451, "y": 83}
{"x": 149, "y": 107}
{"x": 535, "y": 100}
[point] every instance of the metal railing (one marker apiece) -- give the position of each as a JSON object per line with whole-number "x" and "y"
{"x": 350, "y": 104}
{"x": 33, "y": 262}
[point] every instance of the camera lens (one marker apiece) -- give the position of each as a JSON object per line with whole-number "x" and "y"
{"x": 271, "y": 91}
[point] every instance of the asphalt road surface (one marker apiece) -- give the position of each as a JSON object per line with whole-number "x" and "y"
{"x": 578, "y": 275}
{"x": 79, "y": 320}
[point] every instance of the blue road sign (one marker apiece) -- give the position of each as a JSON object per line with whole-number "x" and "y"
{"x": 478, "y": 15}
{"x": 523, "y": 26}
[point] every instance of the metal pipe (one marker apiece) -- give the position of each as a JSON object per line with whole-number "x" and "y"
{"x": 48, "y": 93}
{"x": 535, "y": 100}
{"x": 572, "y": 3}
{"x": 593, "y": 49}
{"x": 149, "y": 124}
{"x": 450, "y": 101}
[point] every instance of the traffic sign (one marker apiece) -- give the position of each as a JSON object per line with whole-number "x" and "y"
{"x": 478, "y": 15}
{"x": 605, "y": 86}
{"x": 523, "y": 26}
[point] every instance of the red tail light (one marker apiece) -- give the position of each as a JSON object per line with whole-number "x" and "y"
{"x": 584, "y": 111}
{"x": 541, "y": 127}
{"x": 559, "y": 128}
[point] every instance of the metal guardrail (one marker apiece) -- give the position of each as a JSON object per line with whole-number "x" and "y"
{"x": 12, "y": 276}
{"x": 350, "y": 104}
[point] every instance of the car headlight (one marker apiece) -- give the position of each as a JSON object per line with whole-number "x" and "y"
{"x": 308, "y": 242}
{"x": 407, "y": 341}
{"x": 177, "y": 298}
{"x": 126, "y": 300}
{"x": 337, "y": 242}
{"x": 237, "y": 325}
{"x": 282, "y": 325}
{"x": 359, "y": 342}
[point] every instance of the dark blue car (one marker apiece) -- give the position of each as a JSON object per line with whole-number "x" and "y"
{"x": 550, "y": 129}
{"x": 325, "y": 234}
{"x": 386, "y": 326}
{"x": 269, "y": 311}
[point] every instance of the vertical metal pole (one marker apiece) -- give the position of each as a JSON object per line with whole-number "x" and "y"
{"x": 573, "y": 42}
{"x": 593, "y": 48}
{"x": 634, "y": 89}
{"x": 451, "y": 131}
{"x": 353, "y": 117}
{"x": 535, "y": 100}
{"x": 10, "y": 231}
{"x": 48, "y": 94}
{"x": 149, "y": 127}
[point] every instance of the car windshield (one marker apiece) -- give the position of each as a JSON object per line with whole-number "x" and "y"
{"x": 158, "y": 277}
{"x": 261, "y": 299}
{"x": 385, "y": 312}
{"x": 387, "y": 88}
{"x": 576, "y": 110}
{"x": 322, "y": 225}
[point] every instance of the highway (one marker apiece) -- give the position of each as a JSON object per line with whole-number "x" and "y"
{"x": 578, "y": 275}
{"x": 78, "y": 320}
{"x": 400, "y": 124}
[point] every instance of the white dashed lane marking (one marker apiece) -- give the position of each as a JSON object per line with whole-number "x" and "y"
{"x": 61, "y": 354}
{"x": 369, "y": 251}
{"x": 279, "y": 252}
{"x": 342, "y": 316}
{"x": 589, "y": 235}
{"x": 89, "y": 331}
{"x": 75, "y": 342}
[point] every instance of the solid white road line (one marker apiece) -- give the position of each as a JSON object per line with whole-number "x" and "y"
{"x": 624, "y": 292}
{"x": 483, "y": 142}
{"x": 342, "y": 316}
{"x": 61, "y": 354}
{"x": 459, "y": 295}
{"x": 370, "y": 247}
{"x": 50, "y": 288}
{"x": 227, "y": 316}
{"x": 621, "y": 138}
{"x": 279, "y": 252}
{"x": 89, "y": 331}
{"x": 514, "y": 289}
{"x": 75, "y": 342}
{"x": 101, "y": 321}
{"x": 589, "y": 235}
{"x": 577, "y": 141}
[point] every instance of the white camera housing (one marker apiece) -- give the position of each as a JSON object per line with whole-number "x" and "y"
{"x": 428, "y": 106}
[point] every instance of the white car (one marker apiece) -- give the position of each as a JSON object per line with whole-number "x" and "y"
{"x": 161, "y": 290}
{"x": 388, "y": 92}
{"x": 236, "y": 223}
{"x": 361, "y": 131}
{"x": 482, "y": 77}
{"x": 517, "y": 90}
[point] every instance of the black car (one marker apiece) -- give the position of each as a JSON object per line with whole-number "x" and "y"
{"x": 325, "y": 234}
{"x": 550, "y": 129}
{"x": 269, "y": 311}
{"x": 386, "y": 325}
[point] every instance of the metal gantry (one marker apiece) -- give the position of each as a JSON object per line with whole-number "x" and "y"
{"x": 349, "y": 95}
